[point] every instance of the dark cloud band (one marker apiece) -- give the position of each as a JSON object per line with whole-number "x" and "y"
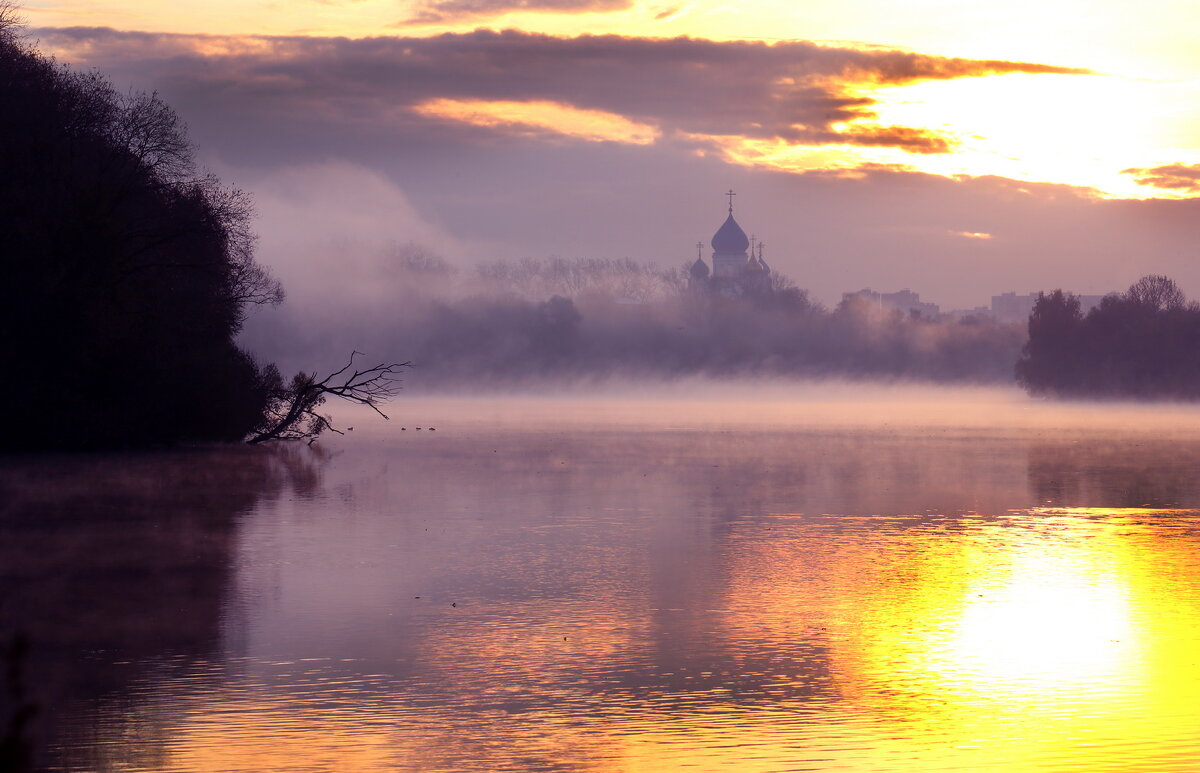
{"x": 797, "y": 92}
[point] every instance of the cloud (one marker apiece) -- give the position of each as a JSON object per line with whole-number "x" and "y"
{"x": 325, "y": 228}
{"x": 1173, "y": 177}
{"x": 445, "y": 11}
{"x": 799, "y": 93}
{"x": 538, "y": 117}
{"x": 903, "y": 137}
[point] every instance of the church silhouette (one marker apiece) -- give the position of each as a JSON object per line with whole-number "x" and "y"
{"x": 736, "y": 268}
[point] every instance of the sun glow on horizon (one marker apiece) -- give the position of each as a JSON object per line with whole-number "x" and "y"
{"x": 1085, "y": 131}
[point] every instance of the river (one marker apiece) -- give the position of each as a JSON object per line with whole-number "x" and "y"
{"x": 862, "y": 580}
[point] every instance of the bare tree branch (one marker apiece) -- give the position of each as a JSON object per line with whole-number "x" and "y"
{"x": 292, "y": 411}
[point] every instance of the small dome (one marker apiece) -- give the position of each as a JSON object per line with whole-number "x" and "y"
{"x": 730, "y": 238}
{"x": 699, "y": 269}
{"x": 753, "y": 266}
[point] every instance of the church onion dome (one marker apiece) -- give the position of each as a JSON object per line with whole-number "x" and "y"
{"x": 699, "y": 269}
{"x": 753, "y": 266}
{"x": 730, "y": 238}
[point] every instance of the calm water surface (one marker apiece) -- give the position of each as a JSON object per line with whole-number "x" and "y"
{"x": 573, "y": 585}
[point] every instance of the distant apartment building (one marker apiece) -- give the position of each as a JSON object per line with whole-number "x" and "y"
{"x": 1006, "y": 308}
{"x": 1010, "y": 307}
{"x": 904, "y": 301}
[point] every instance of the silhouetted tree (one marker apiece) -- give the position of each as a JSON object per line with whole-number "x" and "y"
{"x": 1142, "y": 343}
{"x": 1047, "y": 359}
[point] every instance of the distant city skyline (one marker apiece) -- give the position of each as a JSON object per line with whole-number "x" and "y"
{"x": 1005, "y": 307}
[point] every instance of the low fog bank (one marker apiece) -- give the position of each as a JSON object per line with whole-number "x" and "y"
{"x": 500, "y": 324}
{"x": 779, "y": 404}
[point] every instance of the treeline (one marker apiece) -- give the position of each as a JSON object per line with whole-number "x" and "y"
{"x": 504, "y": 322}
{"x": 682, "y": 333}
{"x": 1143, "y": 343}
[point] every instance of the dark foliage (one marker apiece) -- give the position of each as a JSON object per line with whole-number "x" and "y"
{"x": 17, "y": 711}
{"x": 1143, "y": 343}
{"x": 127, "y": 271}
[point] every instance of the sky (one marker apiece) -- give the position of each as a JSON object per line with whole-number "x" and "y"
{"x": 957, "y": 148}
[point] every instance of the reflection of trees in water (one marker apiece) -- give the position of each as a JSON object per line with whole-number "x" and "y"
{"x": 108, "y": 563}
{"x": 1116, "y": 472}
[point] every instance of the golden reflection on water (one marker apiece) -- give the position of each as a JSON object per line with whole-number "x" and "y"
{"x": 1044, "y": 639}
{"x": 1054, "y": 616}
{"x": 273, "y": 734}
{"x": 1029, "y": 642}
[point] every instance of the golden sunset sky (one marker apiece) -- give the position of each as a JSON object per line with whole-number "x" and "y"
{"x": 1133, "y": 102}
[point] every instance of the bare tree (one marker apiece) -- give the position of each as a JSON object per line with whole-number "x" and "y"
{"x": 1156, "y": 292}
{"x": 250, "y": 283}
{"x": 291, "y": 412}
{"x": 154, "y": 134}
{"x": 10, "y": 18}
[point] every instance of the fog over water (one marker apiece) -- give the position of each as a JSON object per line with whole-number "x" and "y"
{"x": 364, "y": 269}
{"x": 558, "y": 320}
{"x": 706, "y": 403}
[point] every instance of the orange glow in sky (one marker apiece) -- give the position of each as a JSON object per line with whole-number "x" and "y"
{"x": 552, "y": 117}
